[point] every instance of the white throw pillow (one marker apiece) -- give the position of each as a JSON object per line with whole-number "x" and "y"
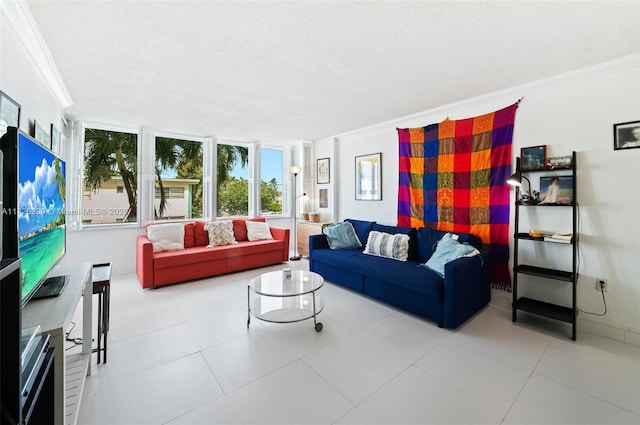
{"x": 220, "y": 233}
{"x": 258, "y": 231}
{"x": 166, "y": 237}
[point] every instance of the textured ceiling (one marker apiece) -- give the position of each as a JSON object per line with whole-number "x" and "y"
{"x": 278, "y": 71}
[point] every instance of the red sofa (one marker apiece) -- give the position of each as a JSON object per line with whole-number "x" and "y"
{"x": 197, "y": 261}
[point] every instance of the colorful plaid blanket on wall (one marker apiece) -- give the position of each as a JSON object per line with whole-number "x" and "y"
{"x": 453, "y": 178}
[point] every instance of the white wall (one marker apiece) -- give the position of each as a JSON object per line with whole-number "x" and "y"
{"x": 571, "y": 112}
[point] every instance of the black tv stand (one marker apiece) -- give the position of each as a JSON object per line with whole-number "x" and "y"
{"x": 51, "y": 287}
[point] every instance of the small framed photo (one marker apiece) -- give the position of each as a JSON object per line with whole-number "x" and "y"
{"x": 55, "y": 138}
{"x": 41, "y": 135}
{"x": 9, "y": 113}
{"x": 322, "y": 171}
{"x": 626, "y": 135}
{"x": 559, "y": 162}
{"x": 323, "y": 198}
{"x": 534, "y": 157}
{"x": 369, "y": 177}
{"x": 556, "y": 190}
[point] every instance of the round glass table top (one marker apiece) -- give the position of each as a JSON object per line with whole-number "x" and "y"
{"x": 277, "y": 284}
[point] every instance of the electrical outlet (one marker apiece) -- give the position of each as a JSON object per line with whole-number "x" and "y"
{"x": 601, "y": 284}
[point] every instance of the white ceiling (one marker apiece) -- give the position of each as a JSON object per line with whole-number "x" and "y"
{"x": 279, "y": 71}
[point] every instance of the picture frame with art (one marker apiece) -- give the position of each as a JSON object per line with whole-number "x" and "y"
{"x": 533, "y": 157}
{"x": 9, "y": 113}
{"x": 556, "y": 190}
{"x": 41, "y": 135}
{"x": 368, "y": 177}
{"x": 322, "y": 171}
{"x": 626, "y": 135}
{"x": 323, "y": 198}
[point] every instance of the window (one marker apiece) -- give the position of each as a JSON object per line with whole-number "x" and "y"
{"x": 271, "y": 181}
{"x": 233, "y": 184}
{"x": 178, "y": 179}
{"x": 110, "y": 161}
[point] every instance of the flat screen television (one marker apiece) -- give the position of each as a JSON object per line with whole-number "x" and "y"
{"x": 38, "y": 177}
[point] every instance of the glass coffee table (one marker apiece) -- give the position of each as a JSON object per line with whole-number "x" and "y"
{"x": 285, "y": 297}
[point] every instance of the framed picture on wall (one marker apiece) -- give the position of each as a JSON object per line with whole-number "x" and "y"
{"x": 369, "y": 177}
{"x": 534, "y": 157}
{"x": 323, "y": 198}
{"x": 55, "y": 138}
{"x": 41, "y": 135}
{"x": 9, "y": 113}
{"x": 626, "y": 135}
{"x": 322, "y": 171}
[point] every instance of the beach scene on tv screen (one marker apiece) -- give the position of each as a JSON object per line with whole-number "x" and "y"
{"x": 41, "y": 211}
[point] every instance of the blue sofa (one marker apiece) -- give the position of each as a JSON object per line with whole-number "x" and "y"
{"x": 448, "y": 301}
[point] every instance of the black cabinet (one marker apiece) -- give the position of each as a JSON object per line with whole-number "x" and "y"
{"x": 565, "y": 276}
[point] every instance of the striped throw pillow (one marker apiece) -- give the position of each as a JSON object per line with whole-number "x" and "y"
{"x": 387, "y": 245}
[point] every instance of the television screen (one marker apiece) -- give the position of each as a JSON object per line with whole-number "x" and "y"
{"x": 41, "y": 212}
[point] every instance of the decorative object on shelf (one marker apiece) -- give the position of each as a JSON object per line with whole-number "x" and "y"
{"x": 323, "y": 198}
{"x": 322, "y": 171}
{"x": 314, "y": 217}
{"x": 9, "y": 113}
{"x": 515, "y": 179}
{"x": 534, "y": 157}
{"x": 559, "y": 162}
{"x": 41, "y": 135}
{"x": 556, "y": 190}
{"x": 369, "y": 177}
{"x": 304, "y": 216}
{"x": 626, "y": 135}
{"x": 295, "y": 171}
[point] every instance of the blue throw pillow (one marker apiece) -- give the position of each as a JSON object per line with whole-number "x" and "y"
{"x": 342, "y": 236}
{"x": 448, "y": 249}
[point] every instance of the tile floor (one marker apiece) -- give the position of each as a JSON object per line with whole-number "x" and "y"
{"x": 183, "y": 355}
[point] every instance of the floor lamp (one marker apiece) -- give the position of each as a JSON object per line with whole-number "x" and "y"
{"x": 295, "y": 171}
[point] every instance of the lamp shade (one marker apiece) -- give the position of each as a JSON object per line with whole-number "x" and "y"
{"x": 295, "y": 170}
{"x": 516, "y": 178}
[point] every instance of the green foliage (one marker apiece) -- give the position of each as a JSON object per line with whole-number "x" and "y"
{"x": 233, "y": 197}
{"x": 271, "y": 196}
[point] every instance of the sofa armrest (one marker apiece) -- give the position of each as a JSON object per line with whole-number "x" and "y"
{"x": 318, "y": 241}
{"x": 144, "y": 261}
{"x": 282, "y": 234}
{"x": 466, "y": 288}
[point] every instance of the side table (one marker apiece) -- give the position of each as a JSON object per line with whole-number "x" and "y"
{"x": 101, "y": 279}
{"x": 305, "y": 229}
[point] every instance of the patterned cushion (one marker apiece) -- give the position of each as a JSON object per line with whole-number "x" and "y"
{"x": 342, "y": 236}
{"x": 220, "y": 233}
{"x": 387, "y": 245}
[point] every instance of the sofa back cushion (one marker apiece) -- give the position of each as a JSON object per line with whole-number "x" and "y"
{"x": 409, "y": 231}
{"x": 200, "y": 234}
{"x": 428, "y": 239}
{"x": 189, "y": 236}
{"x": 362, "y": 229}
{"x": 240, "y": 227}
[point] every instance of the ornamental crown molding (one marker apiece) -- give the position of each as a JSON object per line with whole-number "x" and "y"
{"x": 20, "y": 22}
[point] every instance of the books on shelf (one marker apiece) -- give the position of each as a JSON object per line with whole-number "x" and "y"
{"x": 559, "y": 238}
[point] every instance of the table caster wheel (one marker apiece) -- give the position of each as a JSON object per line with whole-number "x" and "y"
{"x": 318, "y": 327}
